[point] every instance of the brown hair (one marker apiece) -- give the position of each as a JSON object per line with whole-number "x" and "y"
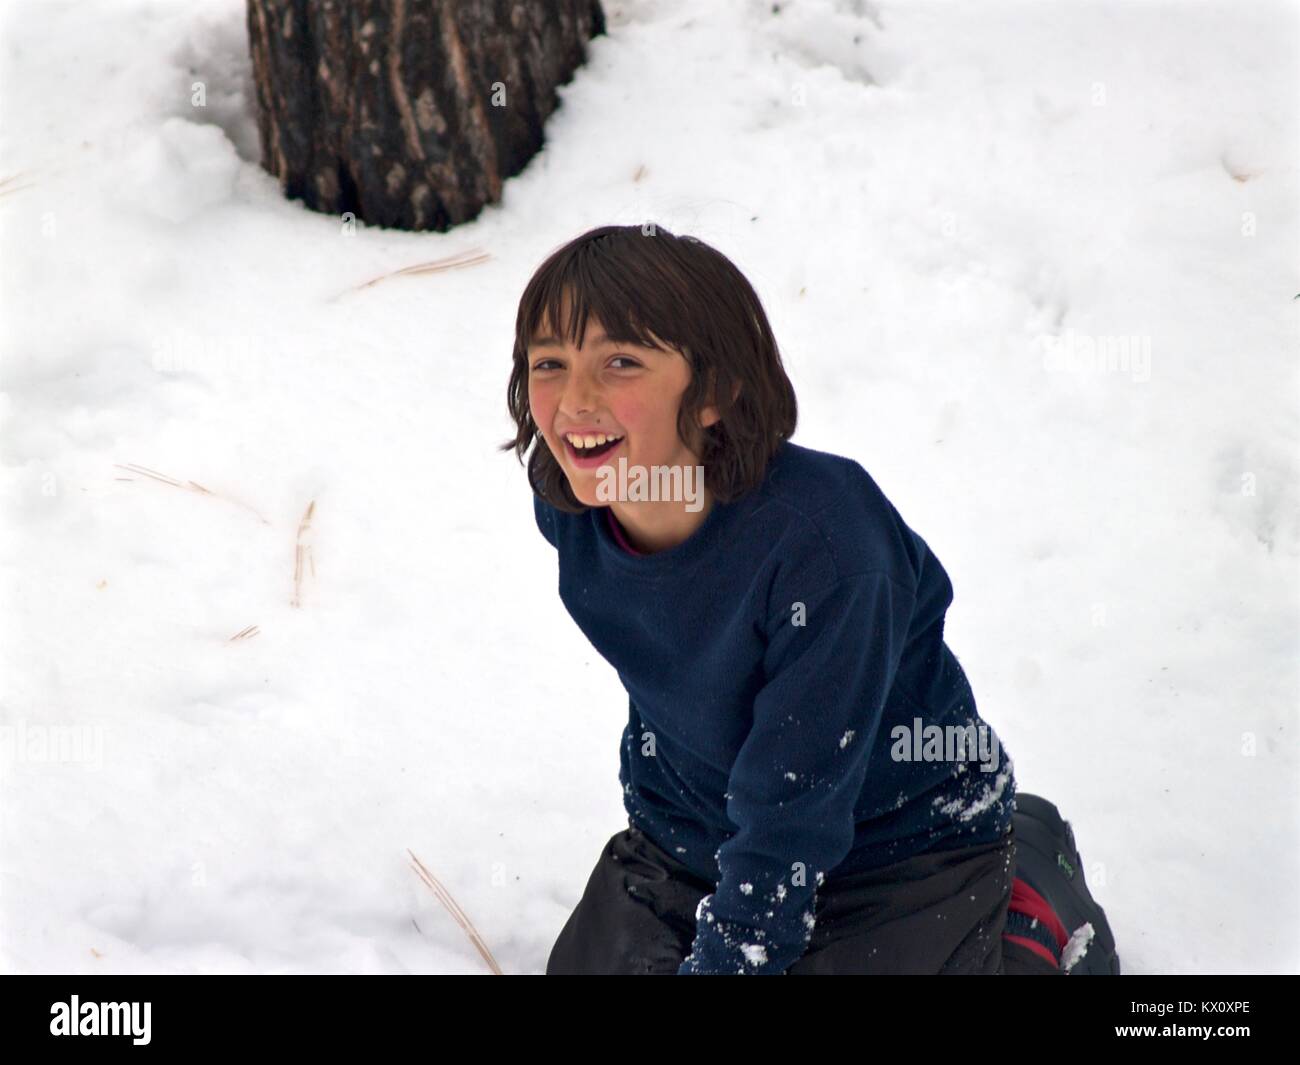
{"x": 649, "y": 286}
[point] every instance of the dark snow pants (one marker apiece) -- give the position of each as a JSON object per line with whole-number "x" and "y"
{"x": 940, "y": 913}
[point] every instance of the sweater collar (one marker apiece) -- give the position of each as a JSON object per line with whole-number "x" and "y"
{"x": 714, "y": 531}
{"x": 704, "y": 539}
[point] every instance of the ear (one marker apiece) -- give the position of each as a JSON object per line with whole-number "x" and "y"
{"x": 709, "y": 414}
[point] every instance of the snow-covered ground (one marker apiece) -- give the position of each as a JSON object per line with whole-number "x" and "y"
{"x": 946, "y": 209}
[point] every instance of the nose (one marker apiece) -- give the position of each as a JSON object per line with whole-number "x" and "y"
{"x": 581, "y": 394}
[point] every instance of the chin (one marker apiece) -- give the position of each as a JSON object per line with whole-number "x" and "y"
{"x": 586, "y": 495}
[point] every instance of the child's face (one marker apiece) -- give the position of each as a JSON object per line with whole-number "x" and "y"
{"x": 620, "y": 389}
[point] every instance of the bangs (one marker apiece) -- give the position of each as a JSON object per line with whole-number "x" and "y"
{"x": 571, "y": 289}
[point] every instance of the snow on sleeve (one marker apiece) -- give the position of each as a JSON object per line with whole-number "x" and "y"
{"x": 799, "y": 773}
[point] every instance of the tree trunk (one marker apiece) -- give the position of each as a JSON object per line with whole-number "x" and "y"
{"x": 409, "y": 113}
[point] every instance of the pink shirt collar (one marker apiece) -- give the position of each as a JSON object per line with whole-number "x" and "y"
{"x": 619, "y": 535}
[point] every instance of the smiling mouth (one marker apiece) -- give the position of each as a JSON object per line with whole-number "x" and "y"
{"x": 592, "y": 452}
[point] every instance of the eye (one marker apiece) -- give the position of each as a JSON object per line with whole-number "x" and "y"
{"x": 545, "y": 364}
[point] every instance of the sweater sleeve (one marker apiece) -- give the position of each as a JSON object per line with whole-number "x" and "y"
{"x": 542, "y": 513}
{"x": 797, "y": 777}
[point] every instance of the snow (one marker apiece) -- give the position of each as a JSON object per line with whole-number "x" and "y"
{"x": 948, "y": 212}
{"x": 1077, "y": 946}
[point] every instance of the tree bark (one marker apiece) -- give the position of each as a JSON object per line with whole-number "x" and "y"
{"x": 409, "y": 113}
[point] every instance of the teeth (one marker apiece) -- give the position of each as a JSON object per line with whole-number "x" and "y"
{"x": 588, "y": 440}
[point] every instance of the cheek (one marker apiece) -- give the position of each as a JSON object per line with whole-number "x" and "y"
{"x": 634, "y": 415}
{"x": 541, "y": 404}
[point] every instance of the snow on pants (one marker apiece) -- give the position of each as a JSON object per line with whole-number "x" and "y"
{"x": 938, "y": 913}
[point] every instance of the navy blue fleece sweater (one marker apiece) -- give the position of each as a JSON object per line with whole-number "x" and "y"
{"x": 770, "y": 661}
